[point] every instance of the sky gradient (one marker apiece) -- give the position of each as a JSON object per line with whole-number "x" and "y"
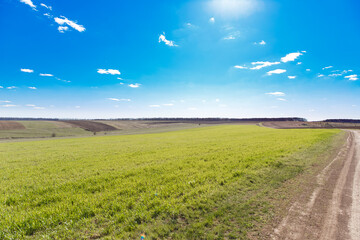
{"x": 213, "y": 58}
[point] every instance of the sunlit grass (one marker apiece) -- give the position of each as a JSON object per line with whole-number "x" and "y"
{"x": 204, "y": 183}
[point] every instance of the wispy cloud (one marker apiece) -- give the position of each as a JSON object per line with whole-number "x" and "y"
{"x": 212, "y": 20}
{"x": 154, "y": 106}
{"x": 109, "y": 71}
{"x": 308, "y": 70}
{"x": 26, "y": 70}
{"x": 353, "y": 77}
{"x": 240, "y": 67}
{"x": 135, "y": 85}
{"x": 1, "y": 87}
{"x": 32, "y": 88}
{"x": 39, "y": 107}
{"x": 262, "y": 42}
{"x": 327, "y": 67}
{"x": 46, "y": 75}
{"x": 291, "y": 77}
{"x": 232, "y": 35}
{"x": 261, "y": 64}
{"x": 12, "y": 87}
{"x": 170, "y": 43}
{"x": 45, "y": 6}
{"x": 299, "y": 63}
{"x": 320, "y": 75}
{"x": 9, "y": 105}
{"x": 63, "y": 29}
{"x": 30, "y": 3}
{"x": 276, "y": 71}
{"x": 63, "y": 20}
{"x": 291, "y": 57}
{"x": 168, "y": 104}
{"x": 30, "y": 105}
{"x": 278, "y": 94}
{"x": 120, "y": 100}
{"x": 5, "y": 101}
{"x": 335, "y": 75}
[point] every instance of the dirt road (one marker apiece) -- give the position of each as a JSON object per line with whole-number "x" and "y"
{"x": 332, "y": 211}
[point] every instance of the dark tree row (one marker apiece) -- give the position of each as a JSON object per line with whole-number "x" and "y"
{"x": 343, "y": 120}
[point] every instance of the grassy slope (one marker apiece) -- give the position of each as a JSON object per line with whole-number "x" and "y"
{"x": 37, "y": 129}
{"x": 200, "y": 183}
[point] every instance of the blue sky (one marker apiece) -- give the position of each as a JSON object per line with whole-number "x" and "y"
{"x": 205, "y": 58}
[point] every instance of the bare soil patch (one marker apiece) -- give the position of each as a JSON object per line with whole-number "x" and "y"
{"x": 91, "y": 125}
{"x": 10, "y": 125}
{"x": 331, "y": 210}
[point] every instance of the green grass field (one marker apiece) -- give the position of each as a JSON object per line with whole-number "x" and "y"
{"x": 203, "y": 183}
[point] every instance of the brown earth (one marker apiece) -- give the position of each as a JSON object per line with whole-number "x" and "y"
{"x": 297, "y": 124}
{"x": 10, "y": 125}
{"x": 331, "y": 210}
{"x": 91, "y": 125}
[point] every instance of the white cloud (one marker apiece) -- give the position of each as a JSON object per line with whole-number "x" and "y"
{"x": 26, "y": 70}
{"x": 39, "y": 108}
{"x": 48, "y": 15}
{"x": 291, "y": 77}
{"x": 120, "y": 78}
{"x": 63, "y": 29}
{"x": 5, "y": 101}
{"x": 46, "y": 75}
{"x": 109, "y": 71}
{"x": 234, "y": 8}
{"x": 353, "y": 77}
{"x": 276, "y": 71}
{"x": 45, "y": 6}
{"x": 299, "y": 63}
{"x": 279, "y": 94}
{"x": 320, "y": 75}
{"x": 1, "y": 87}
{"x": 154, "y": 106}
{"x": 29, "y": 2}
{"x": 120, "y": 100}
{"x": 121, "y": 83}
{"x": 291, "y": 57}
{"x": 262, "y": 42}
{"x": 168, "y": 104}
{"x": 240, "y": 67}
{"x": 217, "y": 100}
{"x": 261, "y": 64}
{"x": 303, "y": 51}
{"x": 308, "y": 70}
{"x": 30, "y": 105}
{"x": 8, "y": 105}
{"x": 33, "y": 88}
{"x": 281, "y": 99}
{"x": 63, "y": 20}
{"x": 136, "y": 85}
{"x": 192, "y": 108}
{"x": 232, "y": 35}
{"x": 327, "y": 67}
{"x": 335, "y": 75}
{"x": 12, "y": 87}
{"x": 162, "y": 38}
{"x": 212, "y": 20}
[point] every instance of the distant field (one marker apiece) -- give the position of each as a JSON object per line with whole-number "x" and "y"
{"x": 203, "y": 183}
{"x": 41, "y": 129}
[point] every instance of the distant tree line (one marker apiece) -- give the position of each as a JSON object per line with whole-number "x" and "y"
{"x": 343, "y": 120}
{"x": 167, "y": 119}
